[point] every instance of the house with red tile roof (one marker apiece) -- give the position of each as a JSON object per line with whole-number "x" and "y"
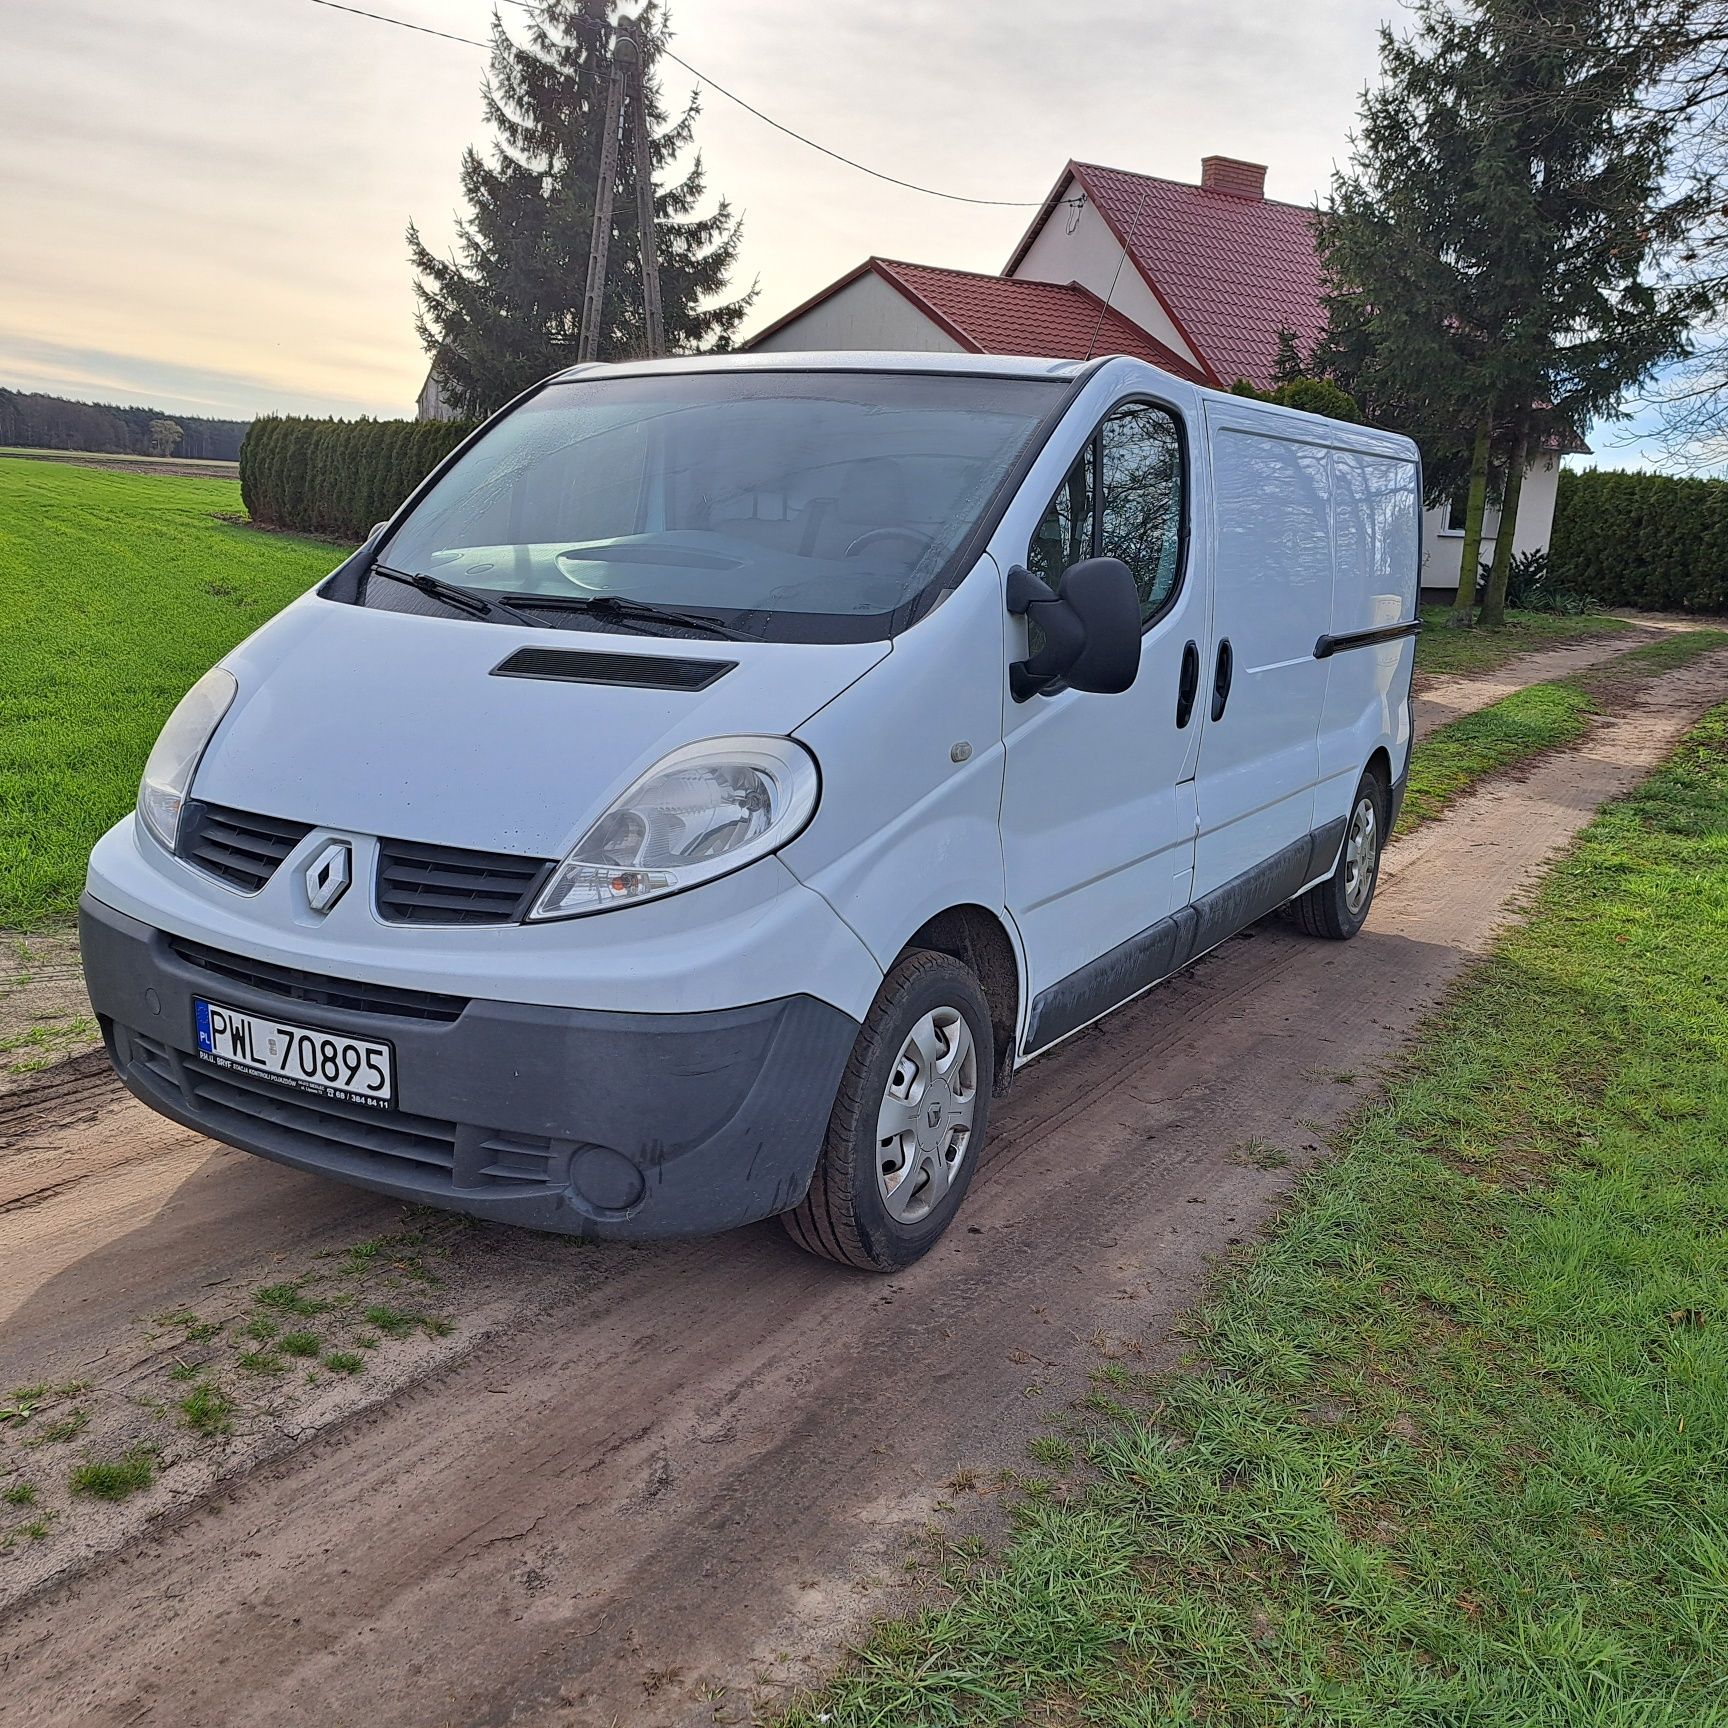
{"x": 1199, "y": 280}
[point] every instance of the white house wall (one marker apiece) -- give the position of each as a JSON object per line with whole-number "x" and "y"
{"x": 1442, "y": 548}
{"x": 867, "y": 313}
{"x": 1090, "y": 256}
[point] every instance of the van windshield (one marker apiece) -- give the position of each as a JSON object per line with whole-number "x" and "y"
{"x": 810, "y": 506}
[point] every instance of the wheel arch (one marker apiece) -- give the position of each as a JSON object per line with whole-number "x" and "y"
{"x": 979, "y": 939}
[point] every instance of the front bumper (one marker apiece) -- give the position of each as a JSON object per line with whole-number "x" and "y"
{"x": 589, "y": 1122}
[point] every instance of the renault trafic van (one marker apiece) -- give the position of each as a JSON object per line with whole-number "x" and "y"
{"x": 722, "y": 774}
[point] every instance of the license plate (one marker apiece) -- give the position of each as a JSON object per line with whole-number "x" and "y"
{"x": 362, "y": 1070}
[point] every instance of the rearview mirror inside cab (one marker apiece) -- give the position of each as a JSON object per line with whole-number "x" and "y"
{"x": 1091, "y": 629}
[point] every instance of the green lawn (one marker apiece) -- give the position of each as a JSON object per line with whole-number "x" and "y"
{"x": 1442, "y": 651}
{"x": 1453, "y": 1447}
{"x": 117, "y": 591}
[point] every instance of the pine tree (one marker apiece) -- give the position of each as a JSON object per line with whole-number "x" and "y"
{"x": 1492, "y": 254}
{"x": 506, "y": 310}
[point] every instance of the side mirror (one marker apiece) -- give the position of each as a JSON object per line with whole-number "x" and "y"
{"x": 1091, "y": 629}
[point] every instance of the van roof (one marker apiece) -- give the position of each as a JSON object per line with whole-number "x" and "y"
{"x": 1241, "y": 409}
{"x": 848, "y": 360}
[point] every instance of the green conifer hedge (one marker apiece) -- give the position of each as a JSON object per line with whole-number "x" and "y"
{"x": 338, "y": 477}
{"x": 1651, "y": 540}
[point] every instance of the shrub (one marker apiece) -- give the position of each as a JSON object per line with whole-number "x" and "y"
{"x": 1631, "y": 539}
{"x": 1311, "y": 395}
{"x": 1530, "y": 587}
{"x": 338, "y": 477}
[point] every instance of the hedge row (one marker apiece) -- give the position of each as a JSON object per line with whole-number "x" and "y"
{"x": 1630, "y": 539}
{"x": 337, "y": 477}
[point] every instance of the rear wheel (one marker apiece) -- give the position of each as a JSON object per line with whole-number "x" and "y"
{"x": 908, "y": 1122}
{"x": 1338, "y": 907}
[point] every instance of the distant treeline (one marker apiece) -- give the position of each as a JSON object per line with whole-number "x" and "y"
{"x": 36, "y": 422}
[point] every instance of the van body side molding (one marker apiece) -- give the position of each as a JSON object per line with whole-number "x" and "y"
{"x": 1327, "y": 646}
{"x": 1166, "y": 947}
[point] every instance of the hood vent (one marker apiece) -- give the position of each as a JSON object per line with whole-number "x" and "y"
{"x": 581, "y": 666}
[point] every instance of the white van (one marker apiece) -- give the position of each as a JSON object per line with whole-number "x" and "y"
{"x": 722, "y": 774}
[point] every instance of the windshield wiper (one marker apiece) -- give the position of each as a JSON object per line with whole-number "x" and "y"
{"x": 620, "y": 608}
{"x": 451, "y": 593}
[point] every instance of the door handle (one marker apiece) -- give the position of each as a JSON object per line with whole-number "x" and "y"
{"x": 1221, "y": 678}
{"x": 1187, "y": 684}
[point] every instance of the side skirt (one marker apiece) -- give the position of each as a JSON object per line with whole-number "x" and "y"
{"x": 1167, "y": 946}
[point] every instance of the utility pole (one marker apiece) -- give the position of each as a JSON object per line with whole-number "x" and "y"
{"x": 593, "y": 298}
{"x": 645, "y": 211}
{"x": 626, "y": 65}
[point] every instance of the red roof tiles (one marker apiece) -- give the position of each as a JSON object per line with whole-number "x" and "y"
{"x": 1006, "y": 315}
{"x": 1231, "y": 270}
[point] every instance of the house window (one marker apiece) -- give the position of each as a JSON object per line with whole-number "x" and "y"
{"x": 1135, "y": 515}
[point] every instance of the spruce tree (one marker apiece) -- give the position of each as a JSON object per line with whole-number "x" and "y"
{"x": 505, "y": 311}
{"x": 1493, "y": 254}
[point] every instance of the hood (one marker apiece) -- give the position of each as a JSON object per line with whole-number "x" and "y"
{"x": 388, "y": 723}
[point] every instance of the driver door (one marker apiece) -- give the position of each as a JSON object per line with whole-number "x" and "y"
{"x": 1098, "y": 816}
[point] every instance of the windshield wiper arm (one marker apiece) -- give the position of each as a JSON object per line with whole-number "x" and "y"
{"x": 451, "y": 593}
{"x": 624, "y": 610}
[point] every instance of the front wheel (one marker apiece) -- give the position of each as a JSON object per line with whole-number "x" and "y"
{"x": 908, "y": 1123}
{"x": 1338, "y": 907}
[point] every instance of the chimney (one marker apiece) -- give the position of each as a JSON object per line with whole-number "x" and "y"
{"x": 1235, "y": 179}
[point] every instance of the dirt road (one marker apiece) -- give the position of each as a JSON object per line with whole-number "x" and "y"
{"x": 1439, "y": 700}
{"x": 670, "y": 1478}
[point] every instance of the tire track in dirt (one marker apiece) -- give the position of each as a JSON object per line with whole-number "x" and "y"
{"x": 1439, "y": 700}
{"x": 694, "y": 1475}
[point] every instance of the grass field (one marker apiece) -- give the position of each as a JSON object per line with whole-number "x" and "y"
{"x": 117, "y": 591}
{"x": 1442, "y": 651}
{"x": 100, "y": 458}
{"x": 1453, "y": 1446}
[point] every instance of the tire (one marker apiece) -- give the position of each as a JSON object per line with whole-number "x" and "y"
{"x": 925, "y": 1045}
{"x": 1338, "y": 907}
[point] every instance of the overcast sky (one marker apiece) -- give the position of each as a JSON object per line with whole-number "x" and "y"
{"x": 203, "y": 201}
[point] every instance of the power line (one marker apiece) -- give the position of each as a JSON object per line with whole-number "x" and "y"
{"x": 401, "y": 23}
{"x": 874, "y": 173}
{"x": 731, "y": 96}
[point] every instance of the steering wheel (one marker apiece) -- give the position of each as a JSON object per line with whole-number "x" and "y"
{"x": 921, "y": 542}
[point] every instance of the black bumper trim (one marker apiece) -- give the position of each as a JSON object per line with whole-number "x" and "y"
{"x": 581, "y": 1121}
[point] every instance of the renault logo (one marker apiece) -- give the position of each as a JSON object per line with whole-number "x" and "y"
{"x": 328, "y": 875}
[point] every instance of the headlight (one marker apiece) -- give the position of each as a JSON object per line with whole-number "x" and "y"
{"x": 168, "y": 773}
{"x": 704, "y": 810}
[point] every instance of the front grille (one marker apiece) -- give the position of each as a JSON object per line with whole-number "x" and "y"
{"x": 423, "y": 884}
{"x": 256, "y": 1111}
{"x": 239, "y": 848}
{"x": 316, "y": 989}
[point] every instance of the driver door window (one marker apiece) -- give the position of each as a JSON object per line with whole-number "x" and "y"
{"x": 1134, "y": 514}
{"x": 1065, "y": 535}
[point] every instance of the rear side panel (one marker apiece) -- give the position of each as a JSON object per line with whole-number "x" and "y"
{"x": 1376, "y": 512}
